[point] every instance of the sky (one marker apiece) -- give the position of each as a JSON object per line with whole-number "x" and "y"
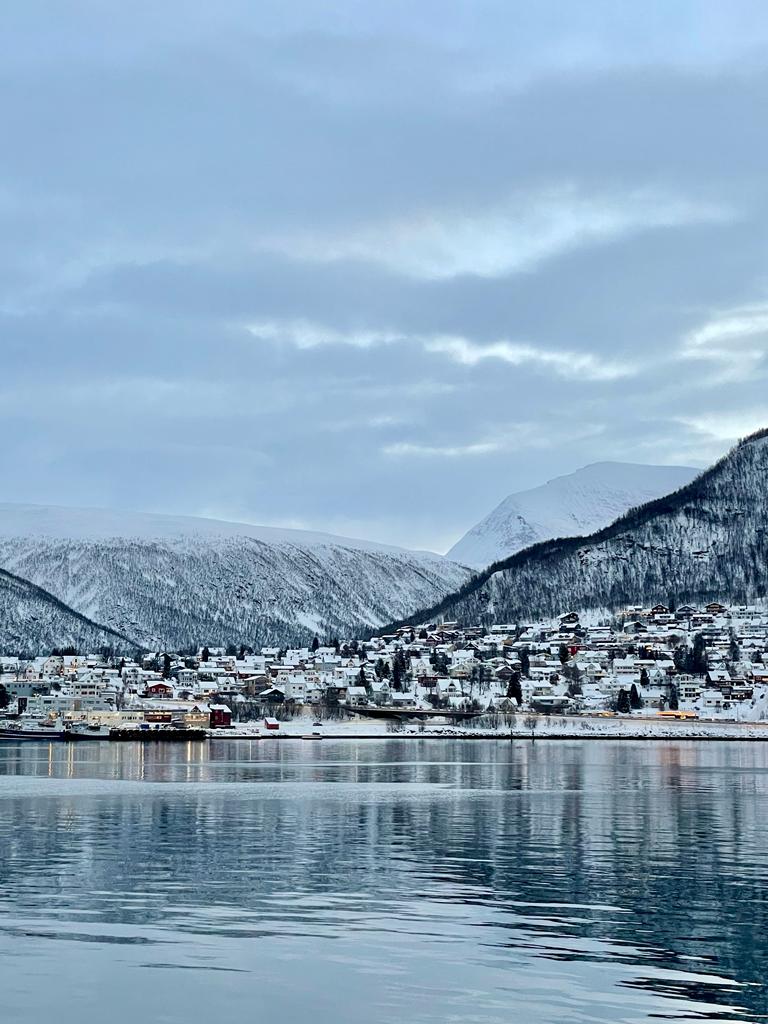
{"x": 368, "y": 267}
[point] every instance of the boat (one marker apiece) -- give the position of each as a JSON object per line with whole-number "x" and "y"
{"x": 32, "y": 729}
{"x": 77, "y": 731}
{"x": 161, "y": 733}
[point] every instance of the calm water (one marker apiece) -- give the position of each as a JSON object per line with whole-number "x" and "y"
{"x": 383, "y": 881}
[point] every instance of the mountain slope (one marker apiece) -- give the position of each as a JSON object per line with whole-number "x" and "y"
{"x": 568, "y": 506}
{"x": 34, "y": 622}
{"x": 709, "y": 540}
{"x": 180, "y": 581}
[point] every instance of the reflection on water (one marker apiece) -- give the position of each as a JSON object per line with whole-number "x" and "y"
{"x": 383, "y": 881}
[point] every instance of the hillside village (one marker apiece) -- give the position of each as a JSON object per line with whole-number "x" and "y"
{"x": 711, "y": 662}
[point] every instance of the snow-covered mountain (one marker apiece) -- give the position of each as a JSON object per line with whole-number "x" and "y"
{"x": 567, "y": 506}
{"x": 707, "y": 541}
{"x": 174, "y": 581}
{"x": 33, "y": 621}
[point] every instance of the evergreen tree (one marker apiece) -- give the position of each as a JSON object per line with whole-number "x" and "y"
{"x": 514, "y": 689}
{"x": 315, "y": 643}
{"x": 644, "y": 677}
{"x": 635, "y": 700}
{"x": 166, "y": 666}
{"x": 397, "y": 676}
{"x": 698, "y": 661}
{"x": 573, "y": 675}
{"x": 673, "y": 701}
{"x": 5, "y": 699}
{"x": 680, "y": 658}
{"x": 564, "y": 654}
{"x": 622, "y": 702}
{"x": 525, "y": 662}
{"x": 734, "y": 651}
{"x": 399, "y": 670}
{"x": 478, "y": 676}
{"x": 205, "y": 655}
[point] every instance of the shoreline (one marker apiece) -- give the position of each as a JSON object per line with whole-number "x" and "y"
{"x": 545, "y": 728}
{"x": 502, "y": 737}
{"x": 560, "y": 728}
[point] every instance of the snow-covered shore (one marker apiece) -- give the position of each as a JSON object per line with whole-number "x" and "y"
{"x": 520, "y": 727}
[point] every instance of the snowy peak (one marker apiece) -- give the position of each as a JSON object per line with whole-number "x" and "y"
{"x": 101, "y": 524}
{"x": 707, "y": 541}
{"x": 567, "y": 506}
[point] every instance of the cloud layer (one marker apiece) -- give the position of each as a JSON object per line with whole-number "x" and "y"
{"x": 370, "y": 267}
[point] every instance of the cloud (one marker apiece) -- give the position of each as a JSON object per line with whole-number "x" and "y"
{"x": 510, "y": 237}
{"x": 505, "y": 438}
{"x": 734, "y": 325}
{"x": 727, "y": 426}
{"x": 575, "y": 365}
{"x": 734, "y": 340}
{"x": 314, "y": 255}
{"x": 568, "y": 364}
{"x": 304, "y": 335}
{"x": 408, "y": 448}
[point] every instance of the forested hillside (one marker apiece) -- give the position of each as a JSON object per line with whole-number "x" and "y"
{"x": 705, "y": 540}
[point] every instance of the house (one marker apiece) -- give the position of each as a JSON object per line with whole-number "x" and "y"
{"x": 275, "y": 695}
{"x": 719, "y": 677}
{"x": 220, "y": 716}
{"x": 381, "y": 691}
{"x": 294, "y": 686}
{"x": 159, "y": 689}
{"x": 357, "y": 695}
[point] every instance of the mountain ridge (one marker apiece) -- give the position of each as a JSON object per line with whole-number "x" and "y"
{"x": 209, "y": 581}
{"x": 707, "y": 539}
{"x": 34, "y": 620}
{"x": 572, "y": 504}
{"x": 75, "y": 522}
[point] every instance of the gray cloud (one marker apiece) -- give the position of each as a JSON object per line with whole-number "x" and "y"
{"x": 371, "y": 267}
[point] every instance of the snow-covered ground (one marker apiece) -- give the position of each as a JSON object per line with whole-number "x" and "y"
{"x": 522, "y": 726}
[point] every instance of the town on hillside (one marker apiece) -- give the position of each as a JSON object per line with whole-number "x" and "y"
{"x": 709, "y": 662}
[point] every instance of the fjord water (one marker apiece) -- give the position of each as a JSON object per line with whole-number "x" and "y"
{"x": 383, "y": 881}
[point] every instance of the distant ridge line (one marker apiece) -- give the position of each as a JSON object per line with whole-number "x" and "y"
{"x": 543, "y": 549}
{"x": 46, "y": 595}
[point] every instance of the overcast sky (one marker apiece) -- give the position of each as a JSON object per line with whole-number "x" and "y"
{"x": 370, "y": 266}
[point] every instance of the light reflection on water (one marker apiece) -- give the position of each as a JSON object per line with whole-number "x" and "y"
{"x": 383, "y": 881}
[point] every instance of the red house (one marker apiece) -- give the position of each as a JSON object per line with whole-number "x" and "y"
{"x": 221, "y": 716}
{"x": 159, "y": 689}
